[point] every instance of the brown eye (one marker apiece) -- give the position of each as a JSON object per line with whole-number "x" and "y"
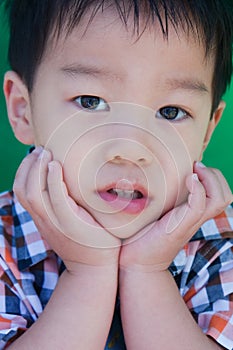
{"x": 91, "y": 103}
{"x": 171, "y": 113}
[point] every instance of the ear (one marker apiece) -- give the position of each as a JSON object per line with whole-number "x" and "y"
{"x": 212, "y": 125}
{"x": 18, "y": 107}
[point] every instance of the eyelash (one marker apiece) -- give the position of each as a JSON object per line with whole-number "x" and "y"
{"x": 80, "y": 100}
{"x": 174, "y": 110}
{"x": 86, "y": 99}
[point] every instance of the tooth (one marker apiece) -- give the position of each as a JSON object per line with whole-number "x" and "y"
{"x": 128, "y": 194}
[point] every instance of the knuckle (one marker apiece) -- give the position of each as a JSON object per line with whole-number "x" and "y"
{"x": 229, "y": 198}
{"x": 216, "y": 174}
{"x": 32, "y": 201}
{"x": 18, "y": 189}
{"x": 218, "y": 208}
{"x": 57, "y": 203}
{"x": 216, "y": 171}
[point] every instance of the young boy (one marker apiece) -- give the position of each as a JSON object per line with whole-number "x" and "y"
{"x": 116, "y": 236}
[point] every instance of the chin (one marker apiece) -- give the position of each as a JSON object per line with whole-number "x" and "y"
{"x": 123, "y": 232}
{"x": 123, "y": 229}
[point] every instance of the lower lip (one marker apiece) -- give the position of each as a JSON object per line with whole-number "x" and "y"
{"x": 129, "y": 206}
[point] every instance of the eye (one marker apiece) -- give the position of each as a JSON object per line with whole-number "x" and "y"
{"x": 172, "y": 113}
{"x": 91, "y": 103}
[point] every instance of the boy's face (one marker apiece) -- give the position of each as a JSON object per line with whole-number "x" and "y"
{"x": 123, "y": 159}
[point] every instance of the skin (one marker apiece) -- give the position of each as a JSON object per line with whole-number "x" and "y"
{"x": 90, "y": 151}
{"x": 153, "y": 154}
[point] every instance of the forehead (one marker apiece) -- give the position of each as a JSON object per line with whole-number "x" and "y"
{"x": 105, "y": 30}
{"x": 105, "y": 53}
{"x": 95, "y": 19}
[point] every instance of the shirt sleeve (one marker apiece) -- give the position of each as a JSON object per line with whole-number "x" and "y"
{"x": 208, "y": 290}
{"x": 29, "y": 271}
{"x": 11, "y": 327}
{"x": 16, "y": 314}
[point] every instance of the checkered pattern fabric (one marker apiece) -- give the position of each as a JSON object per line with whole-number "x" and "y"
{"x": 29, "y": 271}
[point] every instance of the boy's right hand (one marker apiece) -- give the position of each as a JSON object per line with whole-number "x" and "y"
{"x": 70, "y": 230}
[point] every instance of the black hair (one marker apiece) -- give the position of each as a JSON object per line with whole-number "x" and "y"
{"x": 32, "y": 22}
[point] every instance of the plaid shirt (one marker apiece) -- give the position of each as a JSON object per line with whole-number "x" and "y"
{"x": 29, "y": 271}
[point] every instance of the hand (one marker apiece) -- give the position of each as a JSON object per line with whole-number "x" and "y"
{"x": 70, "y": 231}
{"x": 157, "y": 245}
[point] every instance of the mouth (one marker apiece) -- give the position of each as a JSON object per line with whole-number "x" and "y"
{"x": 125, "y": 197}
{"x": 126, "y": 194}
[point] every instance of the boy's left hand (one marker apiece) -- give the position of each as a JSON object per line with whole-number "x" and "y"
{"x": 156, "y": 246}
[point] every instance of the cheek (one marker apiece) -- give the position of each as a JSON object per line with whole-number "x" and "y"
{"x": 80, "y": 167}
{"x": 176, "y": 191}
{"x": 193, "y": 141}
{"x": 72, "y": 171}
{"x": 177, "y": 165}
{"x": 182, "y": 167}
{"x": 196, "y": 147}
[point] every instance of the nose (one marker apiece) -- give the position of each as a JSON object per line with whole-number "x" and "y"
{"x": 122, "y": 151}
{"x": 130, "y": 136}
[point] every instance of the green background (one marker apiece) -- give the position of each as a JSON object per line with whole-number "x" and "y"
{"x": 218, "y": 154}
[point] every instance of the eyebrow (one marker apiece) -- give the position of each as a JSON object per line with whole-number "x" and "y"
{"x": 92, "y": 71}
{"x": 188, "y": 84}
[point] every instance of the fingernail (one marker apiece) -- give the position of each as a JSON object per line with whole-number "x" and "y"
{"x": 38, "y": 150}
{"x": 44, "y": 154}
{"x": 201, "y": 165}
{"x": 50, "y": 166}
{"x": 195, "y": 177}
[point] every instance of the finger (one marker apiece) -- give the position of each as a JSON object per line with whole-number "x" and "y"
{"x": 218, "y": 193}
{"x": 74, "y": 221}
{"x": 22, "y": 174}
{"x": 37, "y": 182}
{"x": 185, "y": 216}
{"x": 197, "y": 194}
{"x": 225, "y": 186}
{"x": 176, "y": 228}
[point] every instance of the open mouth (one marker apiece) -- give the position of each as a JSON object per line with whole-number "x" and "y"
{"x": 130, "y": 200}
{"x": 126, "y": 194}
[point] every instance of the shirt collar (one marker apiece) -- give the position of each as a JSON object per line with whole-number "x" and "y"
{"x": 215, "y": 229}
{"x": 218, "y": 227}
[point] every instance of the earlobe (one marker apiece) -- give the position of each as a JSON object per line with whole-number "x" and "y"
{"x": 18, "y": 107}
{"x": 212, "y": 125}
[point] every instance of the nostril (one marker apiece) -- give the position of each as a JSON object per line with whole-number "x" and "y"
{"x": 117, "y": 159}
